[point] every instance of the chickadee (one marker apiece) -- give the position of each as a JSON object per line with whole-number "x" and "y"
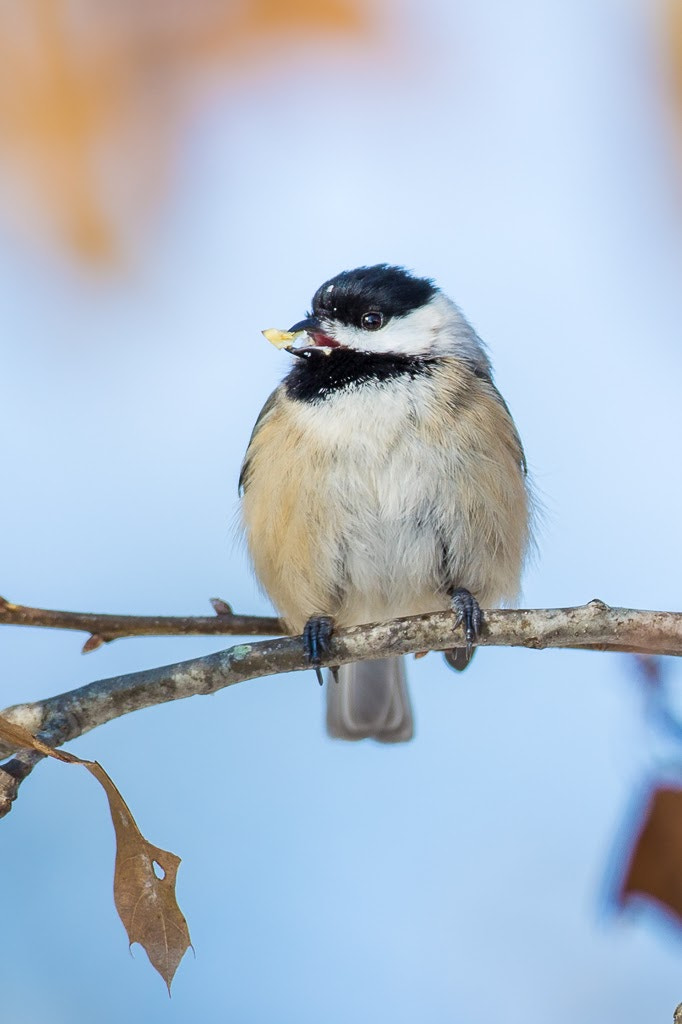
{"x": 384, "y": 478}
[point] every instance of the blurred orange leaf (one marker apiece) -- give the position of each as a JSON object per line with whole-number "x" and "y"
{"x": 93, "y": 97}
{"x": 674, "y": 36}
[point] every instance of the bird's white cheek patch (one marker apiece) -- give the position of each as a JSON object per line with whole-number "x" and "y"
{"x": 425, "y": 331}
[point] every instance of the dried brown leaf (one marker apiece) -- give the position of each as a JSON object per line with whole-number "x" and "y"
{"x": 16, "y": 736}
{"x": 146, "y": 903}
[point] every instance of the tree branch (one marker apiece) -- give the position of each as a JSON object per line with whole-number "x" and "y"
{"x": 594, "y": 626}
{"x": 105, "y": 628}
{"x": 61, "y": 718}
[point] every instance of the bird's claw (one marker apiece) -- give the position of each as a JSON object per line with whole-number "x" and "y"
{"x": 469, "y": 616}
{"x": 317, "y": 634}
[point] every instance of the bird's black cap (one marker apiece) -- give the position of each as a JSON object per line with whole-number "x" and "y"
{"x": 392, "y": 291}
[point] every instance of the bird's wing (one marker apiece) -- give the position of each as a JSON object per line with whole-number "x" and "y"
{"x": 262, "y": 416}
{"x": 490, "y": 384}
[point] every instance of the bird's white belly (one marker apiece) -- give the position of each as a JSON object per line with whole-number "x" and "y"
{"x": 391, "y": 551}
{"x": 386, "y": 492}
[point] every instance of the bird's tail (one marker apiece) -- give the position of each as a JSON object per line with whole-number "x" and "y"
{"x": 370, "y": 699}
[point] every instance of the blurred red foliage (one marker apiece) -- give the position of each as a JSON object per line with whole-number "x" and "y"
{"x": 655, "y": 867}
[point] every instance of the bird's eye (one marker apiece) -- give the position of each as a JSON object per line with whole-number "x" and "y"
{"x": 372, "y": 321}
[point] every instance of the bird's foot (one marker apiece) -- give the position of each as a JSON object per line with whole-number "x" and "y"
{"x": 317, "y": 633}
{"x": 469, "y": 616}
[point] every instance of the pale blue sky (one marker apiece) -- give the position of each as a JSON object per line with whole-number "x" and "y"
{"x": 520, "y": 154}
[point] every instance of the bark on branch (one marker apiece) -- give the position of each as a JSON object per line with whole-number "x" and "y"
{"x": 594, "y": 626}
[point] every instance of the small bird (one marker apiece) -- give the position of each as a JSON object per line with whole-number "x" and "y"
{"x": 384, "y": 478}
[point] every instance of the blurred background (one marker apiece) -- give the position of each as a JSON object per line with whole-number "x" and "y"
{"x": 176, "y": 176}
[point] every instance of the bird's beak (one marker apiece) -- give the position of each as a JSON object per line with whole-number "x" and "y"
{"x": 310, "y": 325}
{"x": 314, "y": 328}
{"x": 320, "y": 342}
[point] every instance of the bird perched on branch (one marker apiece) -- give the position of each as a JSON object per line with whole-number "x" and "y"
{"x": 384, "y": 478}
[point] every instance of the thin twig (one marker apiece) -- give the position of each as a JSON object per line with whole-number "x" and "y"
{"x": 105, "y": 628}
